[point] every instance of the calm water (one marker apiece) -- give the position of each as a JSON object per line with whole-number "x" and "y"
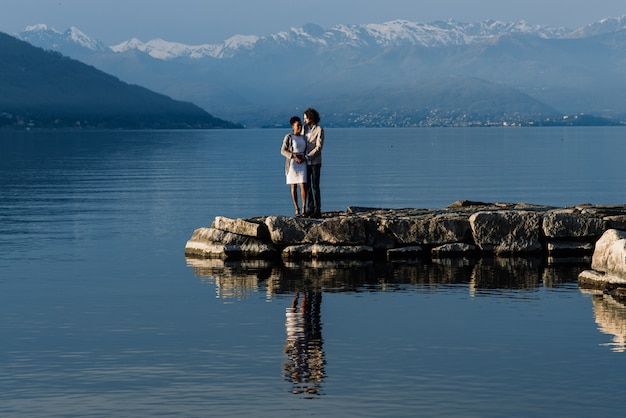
{"x": 102, "y": 314}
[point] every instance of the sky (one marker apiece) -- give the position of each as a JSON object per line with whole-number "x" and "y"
{"x": 196, "y": 22}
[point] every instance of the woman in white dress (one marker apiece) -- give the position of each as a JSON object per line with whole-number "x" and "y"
{"x": 294, "y": 147}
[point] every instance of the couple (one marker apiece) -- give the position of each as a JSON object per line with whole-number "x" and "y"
{"x": 303, "y": 151}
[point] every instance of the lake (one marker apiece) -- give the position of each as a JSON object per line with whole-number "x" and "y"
{"x": 103, "y": 315}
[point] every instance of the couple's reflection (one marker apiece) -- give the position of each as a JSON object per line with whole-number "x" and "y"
{"x": 304, "y": 366}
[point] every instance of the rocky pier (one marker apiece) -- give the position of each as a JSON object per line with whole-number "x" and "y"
{"x": 463, "y": 229}
{"x": 578, "y": 235}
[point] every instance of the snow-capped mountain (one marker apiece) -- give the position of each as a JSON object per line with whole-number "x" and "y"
{"x": 355, "y": 69}
{"x": 394, "y": 33}
{"x": 403, "y": 32}
{"x": 161, "y": 49}
{"x": 47, "y": 37}
{"x": 602, "y": 27}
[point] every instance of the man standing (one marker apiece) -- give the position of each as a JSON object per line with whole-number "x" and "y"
{"x": 315, "y": 141}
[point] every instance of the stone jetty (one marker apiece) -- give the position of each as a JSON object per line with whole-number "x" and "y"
{"x": 463, "y": 229}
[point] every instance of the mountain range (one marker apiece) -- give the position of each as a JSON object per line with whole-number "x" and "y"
{"x": 397, "y": 73}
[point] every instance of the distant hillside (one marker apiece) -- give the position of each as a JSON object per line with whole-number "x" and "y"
{"x": 439, "y": 101}
{"x": 46, "y": 89}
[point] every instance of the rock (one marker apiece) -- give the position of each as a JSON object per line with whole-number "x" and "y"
{"x": 241, "y": 227}
{"x": 457, "y": 249}
{"x": 339, "y": 231}
{"x": 214, "y": 243}
{"x": 288, "y": 231}
{"x": 569, "y": 248}
{"x": 608, "y": 263}
{"x": 507, "y": 231}
{"x": 205, "y": 250}
{"x": 616, "y": 222}
{"x": 591, "y": 279}
{"x": 435, "y": 229}
{"x": 230, "y": 252}
{"x": 463, "y": 228}
{"x": 376, "y": 238}
{"x": 362, "y": 209}
{"x": 467, "y": 203}
{"x": 609, "y": 256}
{"x": 319, "y": 251}
{"x": 218, "y": 236}
{"x": 405, "y": 252}
{"x": 567, "y": 223}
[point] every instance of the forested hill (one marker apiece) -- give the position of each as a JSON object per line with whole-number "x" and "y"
{"x": 46, "y": 89}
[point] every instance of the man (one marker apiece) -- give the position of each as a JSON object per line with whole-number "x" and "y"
{"x": 315, "y": 141}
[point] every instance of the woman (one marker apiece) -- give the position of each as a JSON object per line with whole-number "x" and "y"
{"x": 294, "y": 147}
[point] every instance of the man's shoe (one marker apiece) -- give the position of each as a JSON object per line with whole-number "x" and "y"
{"x": 316, "y": 215}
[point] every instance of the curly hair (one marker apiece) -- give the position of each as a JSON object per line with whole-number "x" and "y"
{"x": 294, "y": 119}
{"x": 312, "y": 115}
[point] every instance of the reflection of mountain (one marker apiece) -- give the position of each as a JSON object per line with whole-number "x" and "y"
{"x": 610, "y": 315}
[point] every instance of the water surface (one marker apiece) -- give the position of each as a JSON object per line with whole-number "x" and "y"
{"x": 102, "y": 314}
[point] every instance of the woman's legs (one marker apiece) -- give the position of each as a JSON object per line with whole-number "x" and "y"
{"x": 303, "y": 192}
{"x": 294, "y": 197}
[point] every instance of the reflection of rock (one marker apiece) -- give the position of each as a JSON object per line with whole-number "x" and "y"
{"x": 607, "y": 283}
{"x": 554, "y": 275}
{"x": 239, "y": 279}
{"x": 212, "y": 266}
{"x": 610, "y": 316}
{"x": 507, "y": 273}
{"x": 619, "y": 294}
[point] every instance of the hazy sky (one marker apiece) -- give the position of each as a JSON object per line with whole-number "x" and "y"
{"x": 213, "y": 21}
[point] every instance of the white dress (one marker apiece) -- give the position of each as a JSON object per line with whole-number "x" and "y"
{"x": 296, "y": 173}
